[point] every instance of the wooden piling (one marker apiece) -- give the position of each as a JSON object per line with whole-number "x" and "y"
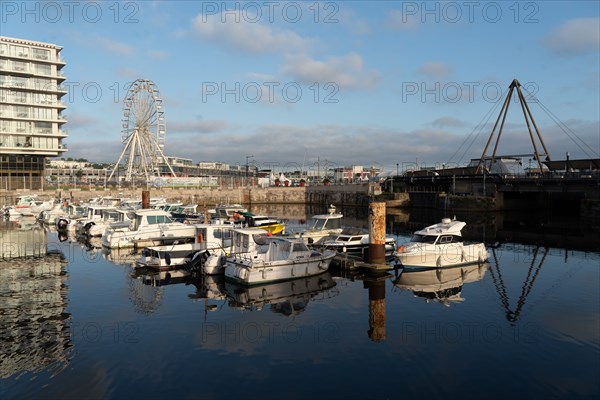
{"x": 145, "y": 199}
{"x": 376, "y": 254}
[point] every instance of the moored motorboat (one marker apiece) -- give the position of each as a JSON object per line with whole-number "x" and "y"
{"x": 323, "y": 225}
{"x": 149, "y": 228}
{"x": 354, "y": 242}
{"x": 258, "y": 258}
{"x": 440, "y": 245}
{"x": 209, "y": 240}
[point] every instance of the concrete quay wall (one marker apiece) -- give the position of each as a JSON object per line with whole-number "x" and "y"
{"x": 340, "y": 195}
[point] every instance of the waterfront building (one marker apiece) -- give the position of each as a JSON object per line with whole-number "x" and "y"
{"x": 31, "y": 111}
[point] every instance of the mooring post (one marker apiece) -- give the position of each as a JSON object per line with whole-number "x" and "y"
{"x": 376, "y": 233}
{"x": 145, "y": 199}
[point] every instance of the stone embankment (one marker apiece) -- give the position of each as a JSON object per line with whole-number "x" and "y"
{"x": 340, "y": 195}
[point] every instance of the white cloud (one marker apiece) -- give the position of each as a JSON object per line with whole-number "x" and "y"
{"x": 340, "y": 145}
{"x": 435, "y": 70}
{"x": 255, "y": 38}
{"x": 575, "y": 37}
{"x": 347, "y": 72}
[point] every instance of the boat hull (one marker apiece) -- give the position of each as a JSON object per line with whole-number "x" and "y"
{"x": 248, "y": 272}
{"x": 356, "y": 249}
{"x": 119, "y": 239}
{"x": 165, "y": 260}
{"x": 451, "y": 255}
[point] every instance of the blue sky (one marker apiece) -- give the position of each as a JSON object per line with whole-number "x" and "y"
{"x": 353, "y": 83}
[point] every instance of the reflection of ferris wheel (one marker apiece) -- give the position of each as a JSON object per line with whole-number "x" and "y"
{"x": 143, "y": 132}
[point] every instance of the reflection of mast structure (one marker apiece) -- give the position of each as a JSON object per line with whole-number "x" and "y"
{"x": 513, "y": 316}
{"x": 145, "y": 298}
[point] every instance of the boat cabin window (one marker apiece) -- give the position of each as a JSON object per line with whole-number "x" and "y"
{"x": 224, "y": 235}
{"x": 137, "y": 223}
{"x": 158, "y": 219}
{"x": 416, "y": 238}
{"x": 450, "y": 239}
{"x": 300, "y": 247}
{"x": 111, "y": 216}
{"x": 260, "y": 239}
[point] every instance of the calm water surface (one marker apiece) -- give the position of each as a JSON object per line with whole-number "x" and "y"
{"x": 525, "y": 324}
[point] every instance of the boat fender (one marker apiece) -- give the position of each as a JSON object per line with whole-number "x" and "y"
{"x": 401, "y": 249}
{"x": 438, "y": 262}
{"x": 200, "y": 238}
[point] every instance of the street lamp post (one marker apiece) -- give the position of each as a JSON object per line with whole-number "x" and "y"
{"x": 247, "y": 158}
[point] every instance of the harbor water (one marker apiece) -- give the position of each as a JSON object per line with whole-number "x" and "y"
{"x": 80, "y": 322}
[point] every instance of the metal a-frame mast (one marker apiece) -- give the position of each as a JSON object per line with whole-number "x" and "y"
{"x": 502, "y": 116}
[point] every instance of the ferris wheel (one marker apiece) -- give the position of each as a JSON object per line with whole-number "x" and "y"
{"x": 143, "y": 132}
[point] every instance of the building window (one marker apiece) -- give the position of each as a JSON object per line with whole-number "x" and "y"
{"x": 41, "y": 54}
{"x": 19, "y": 51}
{"x": 43, "y": 69}
{"x": 19, "y": 66}
{"x": 43, "y": 127}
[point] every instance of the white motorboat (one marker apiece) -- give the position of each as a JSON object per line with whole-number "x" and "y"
{"x": 208, "y": 241}
{"x": 258, "y": 258}
{"x": 441, "y": 245}
{"x": 111, "y": 218}
{"x": 95, "y": 214}
{"x": 443, "y": 285}
{"x": 67, "y": 220}
{"x": 354, "y": 242}
{"x": 323, "y": 225}
{"x": 49, "y": 216}
{"x": 149, "y": 228}
{"x": 29, "y": 206}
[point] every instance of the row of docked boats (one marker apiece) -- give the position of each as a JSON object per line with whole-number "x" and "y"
{"x": 247, "y": 248}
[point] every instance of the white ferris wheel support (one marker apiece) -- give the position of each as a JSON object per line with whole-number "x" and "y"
{"x": 143, "y": 132}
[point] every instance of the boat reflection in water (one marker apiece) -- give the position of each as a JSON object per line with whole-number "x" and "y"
{"x": 35, "y": 333}
{"x": 443, "y": 285}
{"x": 161, "y": 278}
{"x": 287, "y": 297}
{"x": 126, "y": 257}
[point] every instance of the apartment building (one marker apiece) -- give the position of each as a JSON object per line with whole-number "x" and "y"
{"x": 31, "y": 111}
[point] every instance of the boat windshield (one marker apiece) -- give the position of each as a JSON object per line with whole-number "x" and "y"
{"x": 324, "y": 223}
{"x": 416, "y": 238}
